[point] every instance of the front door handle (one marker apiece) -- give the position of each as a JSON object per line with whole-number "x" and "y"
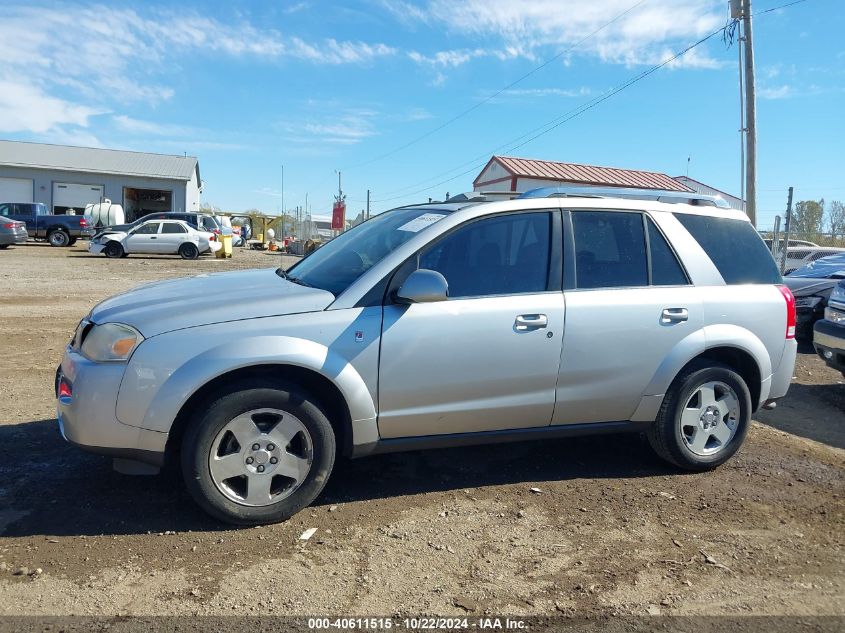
{"x": 153, "y": 237}
{"x": 530, "y": 322}
{"x": 674, "y": 315}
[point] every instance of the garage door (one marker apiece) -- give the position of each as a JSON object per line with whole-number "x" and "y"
{"x": 67, "y": 195}
{"x": 15, "y": 190}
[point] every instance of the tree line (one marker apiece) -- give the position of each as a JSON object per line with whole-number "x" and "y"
{"x": 815, "y": 218}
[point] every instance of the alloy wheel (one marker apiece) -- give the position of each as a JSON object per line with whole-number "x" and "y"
{"x": 261, "y": 457}
{"x": 710, "y": 418}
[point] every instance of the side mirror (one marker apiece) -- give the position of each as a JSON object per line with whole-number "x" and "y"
{"x": 423, "y": 286}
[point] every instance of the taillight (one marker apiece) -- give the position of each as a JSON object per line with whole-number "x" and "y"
{"x": 83, "y": 222}
{"x": 10, "y": 225}
{"x": 790, "y": 311}
{"x": 65, "y": 393}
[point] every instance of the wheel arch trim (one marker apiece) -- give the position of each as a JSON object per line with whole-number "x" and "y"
{"x": 698, "y": 344}
{"x": 157, "y": 409}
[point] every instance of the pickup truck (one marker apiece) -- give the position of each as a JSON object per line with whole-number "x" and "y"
{"x": 59, "y": 230}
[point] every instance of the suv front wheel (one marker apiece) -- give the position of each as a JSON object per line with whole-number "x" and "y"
{"x": 704, "y": 417}
{"x": 258, "y": 454}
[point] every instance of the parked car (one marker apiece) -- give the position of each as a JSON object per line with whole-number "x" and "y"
{"x": 12, "y": 232}
{"x": 811, "y": 285}
{"x": 59, "y": 230}
{"x": 199, "y": 221}
{"x": 156, "y": 237}
{"x": 556, "y": 314}
{"x": 799, "y": 256}
{"x": 829, "y": 333}
{"x": 792, "y": 243}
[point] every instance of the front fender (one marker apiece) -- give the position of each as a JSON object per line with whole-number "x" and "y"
{"x": 159, "y": 378}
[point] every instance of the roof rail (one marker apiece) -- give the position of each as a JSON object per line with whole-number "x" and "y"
{"x": 658, "y": 195}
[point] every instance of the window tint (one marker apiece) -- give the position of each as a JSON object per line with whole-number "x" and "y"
{"x": 148, "y": 228}
{"x": 172, "y": 227}
{"x": 6, "y": 210}
{"x": 734, "y": 247}
{"x": 501, "y": 255}
{"x": 23, "y": 210}
{"x": 609, "y": 249}
{"x": 666, "y": 270}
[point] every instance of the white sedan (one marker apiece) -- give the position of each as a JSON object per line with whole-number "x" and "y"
{"x": 158, "y": 237}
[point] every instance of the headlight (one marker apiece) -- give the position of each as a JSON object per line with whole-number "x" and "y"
{"x": 111, "y": 342}
{"x": 837, "y": 316}
{"x": 838, "y": 294}
{"x": 807, "y": 302}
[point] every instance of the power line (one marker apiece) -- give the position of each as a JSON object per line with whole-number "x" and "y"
{"x": 544, "y": 129}
{"x": 558, "y": 121}
{"x": 477, "y": 105}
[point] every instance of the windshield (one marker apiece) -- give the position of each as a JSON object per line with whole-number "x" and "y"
{"x": 335, "y": 266}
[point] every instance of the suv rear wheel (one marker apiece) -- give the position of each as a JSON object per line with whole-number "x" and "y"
{"x": 258, "y": 454}
{"x": 704, "y": 417}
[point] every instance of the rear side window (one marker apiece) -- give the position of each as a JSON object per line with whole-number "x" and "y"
{"x": 172, "y": 227}
{"x": 665, "y": 268}
{"x": 734, "y": 247}
{"x": 610, "y": 249}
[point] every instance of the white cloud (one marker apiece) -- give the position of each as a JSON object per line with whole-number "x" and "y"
{"x": 137, "y": 126}
{"x": 25, "y": 106}
{"x": 776, "y": 92}
{"x": 346, "y": 127}
{"x": 583, "y": 91}
{"x": 521, "y": 28}
{"x": 106, "y": 57}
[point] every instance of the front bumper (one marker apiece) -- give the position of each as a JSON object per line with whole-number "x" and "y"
{"x": 829, "y": 341}
{"x": 87, "y": 418}
{"x": 93, "y": 247}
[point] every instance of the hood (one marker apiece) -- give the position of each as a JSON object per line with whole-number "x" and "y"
{"x": 830, "y": 267}
{"x": 807, "y": 286}
{"x": 176, "y": 304}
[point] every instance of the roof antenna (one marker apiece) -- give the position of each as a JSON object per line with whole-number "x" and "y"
{"x": 688, "y": 160}
{"x": 186, "y": 156}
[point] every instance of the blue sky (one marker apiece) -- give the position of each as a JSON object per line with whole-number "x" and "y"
{"x": 318, "y": 86}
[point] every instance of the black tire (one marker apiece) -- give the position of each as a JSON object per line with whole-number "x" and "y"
{"x": 114, "y": 250}
{"x": 4, "y": 246}
{"x": 125, "y": 255}
{"x": 665, "y": 435}
{"x": 72, "y": 241}
{"x": 58, "y": 238}
{"x": 240, "y": 398}
{"x": 189, "y": 251}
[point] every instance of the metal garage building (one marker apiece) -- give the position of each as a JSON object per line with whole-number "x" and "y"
{"x": 67, "y": 178}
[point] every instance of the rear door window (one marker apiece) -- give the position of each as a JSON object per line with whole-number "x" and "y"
{"x": 666, "y": 270}
{"x": 734, "y": 247}
{"x": 173, "y": 227}
{"x": 610, "y": 249}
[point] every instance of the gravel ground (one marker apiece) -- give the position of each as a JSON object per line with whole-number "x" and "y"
{"x": 608, "y": 530}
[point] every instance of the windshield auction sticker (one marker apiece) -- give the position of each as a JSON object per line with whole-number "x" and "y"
{"x": 418, "y": 224}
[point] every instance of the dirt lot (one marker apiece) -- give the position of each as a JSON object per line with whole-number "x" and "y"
{"x": 612, "y": 530}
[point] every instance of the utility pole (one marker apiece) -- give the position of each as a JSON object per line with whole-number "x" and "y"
{"x": 367, "y": 216}
{"x": 283, "y": 201}
{"x": 788, "y": 223}
{"x": 750, "y": 115}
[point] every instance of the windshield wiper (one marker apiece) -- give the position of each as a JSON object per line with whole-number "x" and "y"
{"x": 284, "y": 275}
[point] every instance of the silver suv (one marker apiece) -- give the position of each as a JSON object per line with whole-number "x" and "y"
{"x": 560, "y": 313}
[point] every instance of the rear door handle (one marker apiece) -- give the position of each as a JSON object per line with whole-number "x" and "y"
{"x": 530, "y": 322}
{"x": 674, "y": 315}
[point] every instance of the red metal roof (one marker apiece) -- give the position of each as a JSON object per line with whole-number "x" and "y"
{"x": 584, "y": 174}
